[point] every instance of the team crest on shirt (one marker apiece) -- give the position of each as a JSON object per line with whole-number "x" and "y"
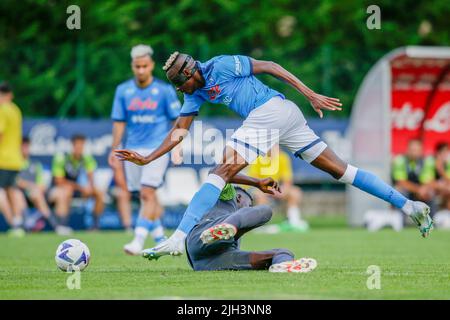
{"x": 214, "y": 92}
{"x": 129, "y": 91}
{"x": 155, "y": 91}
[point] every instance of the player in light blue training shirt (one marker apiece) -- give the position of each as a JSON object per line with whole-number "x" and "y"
{"x": 269, "y": 119}
{"x": 147, "y": 112}
{"x": 229, "y": 81}
{"x": 145, "y": 107}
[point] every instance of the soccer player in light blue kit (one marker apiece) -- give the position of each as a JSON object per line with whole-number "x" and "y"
{"x": 145, "y": 107}
{"x": 270, "y": 118}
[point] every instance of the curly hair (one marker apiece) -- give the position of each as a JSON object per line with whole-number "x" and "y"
{"x": 171, "y": 60}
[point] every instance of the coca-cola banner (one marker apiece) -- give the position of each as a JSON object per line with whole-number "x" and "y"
{"x": 420, "y": 102}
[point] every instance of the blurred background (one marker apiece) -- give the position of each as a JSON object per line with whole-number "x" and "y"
{"x": 64, "y": 80}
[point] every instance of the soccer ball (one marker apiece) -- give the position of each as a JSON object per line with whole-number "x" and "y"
{"x": 72, "y": 255}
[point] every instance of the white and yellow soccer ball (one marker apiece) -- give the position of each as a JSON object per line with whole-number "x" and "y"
{"x": 72, "y": 255}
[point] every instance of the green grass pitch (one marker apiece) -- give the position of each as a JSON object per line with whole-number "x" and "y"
{"x": 411, "y": 268}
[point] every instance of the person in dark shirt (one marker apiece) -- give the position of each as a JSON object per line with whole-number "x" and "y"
{"x": 214, "y": 243}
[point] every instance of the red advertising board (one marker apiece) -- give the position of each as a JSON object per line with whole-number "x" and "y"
{"x": 420, "y": 102}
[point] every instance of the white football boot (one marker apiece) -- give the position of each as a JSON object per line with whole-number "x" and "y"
{"x": 165, "y": 248}
{"x": 421, "y": 217}
{"x": 302, "y": 265}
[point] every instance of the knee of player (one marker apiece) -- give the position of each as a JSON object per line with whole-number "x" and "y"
{"x": 147, "y": 194}
{"x": 98, "y": 193}
{"x": 265, "y": 211}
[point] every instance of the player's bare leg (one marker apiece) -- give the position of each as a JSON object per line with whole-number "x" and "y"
{"x": 99, "y": 203}
{"x": 148, "y": 221}
{"x": 5, "y": 207}
{"x": 123, "y": 199}
{"x": 62, "y": 197}
{"x": 17, "y": 209}
{"x": 418, "y": 211}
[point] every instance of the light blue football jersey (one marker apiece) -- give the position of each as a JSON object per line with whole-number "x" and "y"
{"x": 148, "y": 112}
{"x": 229, "y": 80}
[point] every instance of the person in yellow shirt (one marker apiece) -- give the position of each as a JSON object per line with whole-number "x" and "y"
{"x": 11, "y": 161}
{"x": 277, "y": 164}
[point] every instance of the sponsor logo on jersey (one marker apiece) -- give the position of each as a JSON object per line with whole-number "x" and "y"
{"x": 138, "y": 104}
{"x": 227, "y": 100}
{"x": 143, "y": 119}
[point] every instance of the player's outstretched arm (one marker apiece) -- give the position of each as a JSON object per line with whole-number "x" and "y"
{"x": 266, "y": 185}
{"x": 317, "y": 101}
{"x": 174, "y": 137}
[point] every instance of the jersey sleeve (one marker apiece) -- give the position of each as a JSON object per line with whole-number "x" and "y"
{"x": 191, "y": 105}
{"x": 173, "y": 105}
{"x": 58, "y": 166}
{"x": 234, "y": 66}
{"x": 119, "y": 112}
{"x": 90, "y": 163}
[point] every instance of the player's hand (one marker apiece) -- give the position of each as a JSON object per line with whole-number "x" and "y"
{"x": 113, "y": 161}
{"x": 320, "y": 102}
{"x": 132, "y": 156}
{"x": 267, "y": 185}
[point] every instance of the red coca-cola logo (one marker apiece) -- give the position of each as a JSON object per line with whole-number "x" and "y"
{"x": 406, "y": 117}
{"x": 440, "y": 121}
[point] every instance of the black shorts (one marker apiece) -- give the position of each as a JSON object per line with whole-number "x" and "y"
{"x": 8, "y": 178}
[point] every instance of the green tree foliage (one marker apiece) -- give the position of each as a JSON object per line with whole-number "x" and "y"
{"x": 60, "y": 72}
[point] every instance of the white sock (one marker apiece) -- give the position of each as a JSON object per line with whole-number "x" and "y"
{"x": 158, "y": 232}
{"x": 140, "y": 234}
{"x": 178, "y": 236}
{"x": 408, "y": 207}
{"x": 293, "y": 214}
{"x": 17, "y": 222}
{"x": 349, "y": 174}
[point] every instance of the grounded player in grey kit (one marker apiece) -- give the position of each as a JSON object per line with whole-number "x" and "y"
{"x": 211, "y": 246}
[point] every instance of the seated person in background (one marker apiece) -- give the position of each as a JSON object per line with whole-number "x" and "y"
{"x": 66, "y": 171}
{"x": 443, "y": 181}
{"x": 414, "y": 175}
{"x": 31, "y": 183}
{"x": 120, "y": 192}
{"x": 277, "y": 164}
{"x": 214, "y": 243}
